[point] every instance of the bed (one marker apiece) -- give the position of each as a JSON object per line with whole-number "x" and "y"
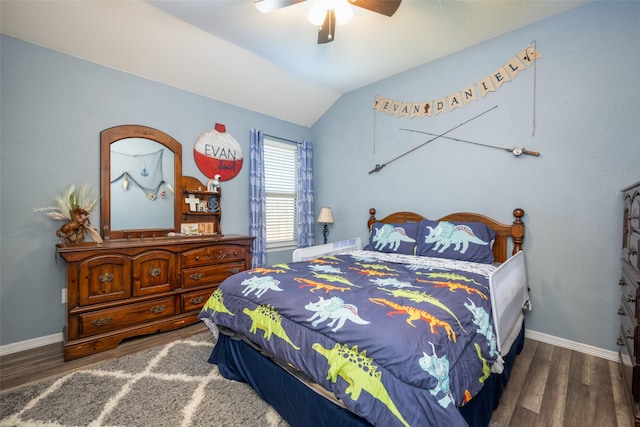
{"x": 420, "y": 328}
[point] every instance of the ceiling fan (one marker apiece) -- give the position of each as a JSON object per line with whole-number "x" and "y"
{"x": 324, "y": 13}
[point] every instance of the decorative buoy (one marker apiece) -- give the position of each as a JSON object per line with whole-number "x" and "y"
{"x": 216, "y": 152}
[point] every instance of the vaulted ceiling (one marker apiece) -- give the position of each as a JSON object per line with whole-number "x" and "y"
{"x": 270, "y": 63}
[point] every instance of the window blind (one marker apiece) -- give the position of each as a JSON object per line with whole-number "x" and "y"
{"x": 280, "y": 167}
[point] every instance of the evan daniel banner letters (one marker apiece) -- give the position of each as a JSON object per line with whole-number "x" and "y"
{"x": 490, "y": 83}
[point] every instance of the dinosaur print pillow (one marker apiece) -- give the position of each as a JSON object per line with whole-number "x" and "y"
{"x": 462, "y": 241}
{"x": 393, "y": 238}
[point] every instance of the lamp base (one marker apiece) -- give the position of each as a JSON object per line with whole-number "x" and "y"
{"x": 325, "y": 232}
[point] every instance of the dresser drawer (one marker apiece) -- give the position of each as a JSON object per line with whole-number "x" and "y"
{"x": 629, "y": 328}
{"x": 210, "y": 275}
{"x": 104, "y": 278}
{"x": 632, "y": 251}
{"x": 213, "y": 254}
{"x": 629, "y": 290}
{"x": 630, "y": 371}
{"x": 194, "y": 301}
{"x": 153, "y": 272}
{"x": 97, "y": 322}
{"x": 632, "y": 226}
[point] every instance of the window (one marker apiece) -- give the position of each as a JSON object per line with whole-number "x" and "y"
{"x": 280, "y": 169}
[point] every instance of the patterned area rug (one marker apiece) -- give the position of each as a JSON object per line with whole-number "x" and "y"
{"x": 173, "y": 385}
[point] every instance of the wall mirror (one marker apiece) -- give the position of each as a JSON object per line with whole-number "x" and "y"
{"x": 140, "y": 182}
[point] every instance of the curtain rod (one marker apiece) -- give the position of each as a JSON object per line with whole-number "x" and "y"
{"x": 283, "y": 139}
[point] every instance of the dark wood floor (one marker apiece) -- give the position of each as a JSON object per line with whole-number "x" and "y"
{"x": 549, "y": 386}
{"x": 552, "y": 386}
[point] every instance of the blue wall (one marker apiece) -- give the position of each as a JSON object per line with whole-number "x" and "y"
{"x": 54, "y": 106}
{"x": 53, "y": 109}
{"x": 587, "y": 109}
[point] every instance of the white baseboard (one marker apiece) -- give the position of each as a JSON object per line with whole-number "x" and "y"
{"x": 572, "y": 345}
{"x": 538, "y": 336}
{"x": 29, "y": 344}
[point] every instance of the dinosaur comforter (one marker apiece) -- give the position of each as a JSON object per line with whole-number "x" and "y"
{"x": 400, "y": 340}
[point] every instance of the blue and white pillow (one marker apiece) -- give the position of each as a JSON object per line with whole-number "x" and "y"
{"x": 393, "y": 238}
{"x": 462, "y": 241}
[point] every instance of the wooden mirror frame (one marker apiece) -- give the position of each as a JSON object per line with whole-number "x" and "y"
{"x": 117, "y": 133}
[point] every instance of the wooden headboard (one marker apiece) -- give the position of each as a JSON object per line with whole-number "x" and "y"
{"x": 514, "y": 231}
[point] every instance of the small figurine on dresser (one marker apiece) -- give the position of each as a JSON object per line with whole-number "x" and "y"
{"x": 73, "y": 231}
{"x": 214, "y": 183}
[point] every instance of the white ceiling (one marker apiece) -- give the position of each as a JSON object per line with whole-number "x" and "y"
{"x": 269, "y": 63}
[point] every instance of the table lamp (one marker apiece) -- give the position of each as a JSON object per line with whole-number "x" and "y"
{"x": 326, "y": 218}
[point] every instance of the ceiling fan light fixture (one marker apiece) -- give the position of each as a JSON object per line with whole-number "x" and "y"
{"x": 317, "y": 13}
{"x": 319, "y": 9}
{"x": 343, "y": 10}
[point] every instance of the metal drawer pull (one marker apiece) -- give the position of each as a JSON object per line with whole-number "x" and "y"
{"x": 196, "y": 300}
{"x": 235, "y": 270}
{"x": 629, "y": 335}
{"x": 102, "y": 321}
{"x": 630, "y": 298}
{"x": 155, "y": 272}
{"x": 620, "y": 341}
{"x": 621, "y": 312}
{"x": 106, "y": 277}
{"x": 215, "y": 256}
{"x": 197, "y": 276}
{"x": 158, "y": 309}
{"x": 622, "y": 282}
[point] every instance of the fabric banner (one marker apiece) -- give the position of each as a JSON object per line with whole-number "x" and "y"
{"x": 462, "y": 98}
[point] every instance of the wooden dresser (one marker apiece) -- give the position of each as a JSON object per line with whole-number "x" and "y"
{"x": 128, "y": 287}
{"x": 629, "y": 311}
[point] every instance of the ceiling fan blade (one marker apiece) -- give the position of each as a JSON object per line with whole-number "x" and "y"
{"x": 328, "y": 28}
{"x": 266, "y": 6}
{"x": 385, "y": 7}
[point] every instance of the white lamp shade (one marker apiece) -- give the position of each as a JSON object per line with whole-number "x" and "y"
{"x": 326, "y": 216}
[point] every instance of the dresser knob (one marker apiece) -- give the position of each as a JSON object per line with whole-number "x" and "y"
{"x": 106, "y": 278}
{"x": 196, "y": 300}
{"x": 102, "y": 321}
{"x": 622, "y": 282}
{"x": 158, "y": 309}
{"x": 629, "y": 335}
{"x": 631, "y": 299}
{"x": 621, "y": 312}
